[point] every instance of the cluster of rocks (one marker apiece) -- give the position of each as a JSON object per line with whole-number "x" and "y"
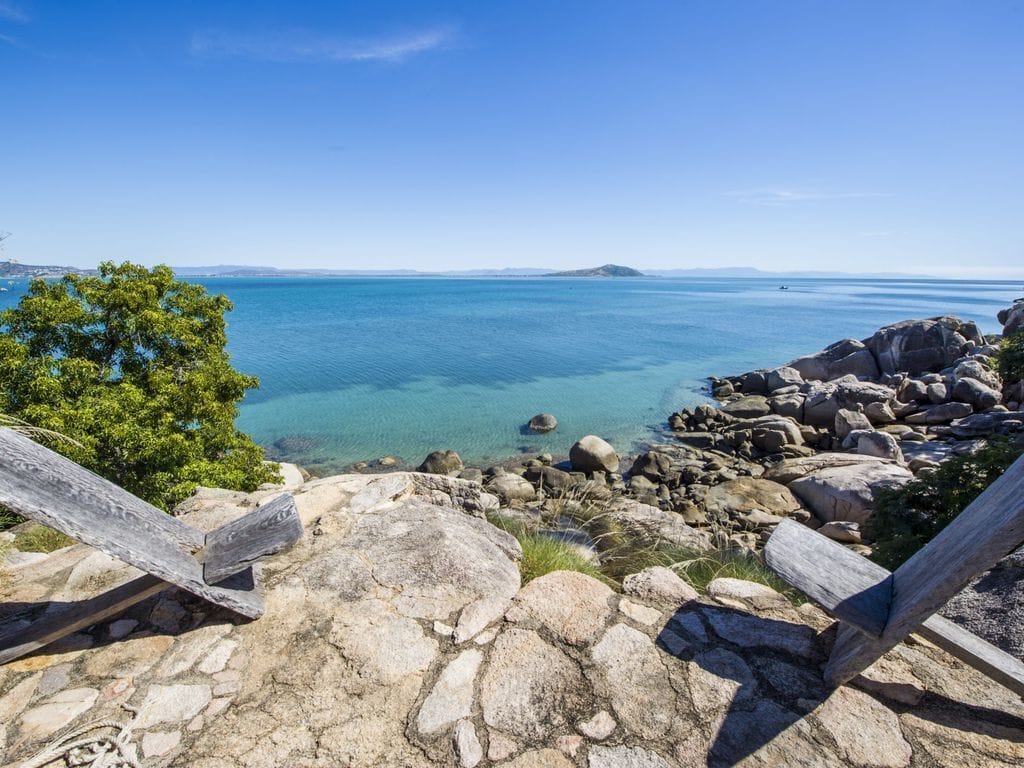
{"x": 816, "y": 438}
{"x": 397, "y": 633}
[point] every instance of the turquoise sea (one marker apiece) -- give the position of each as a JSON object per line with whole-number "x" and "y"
{"x": 357, "y": 368}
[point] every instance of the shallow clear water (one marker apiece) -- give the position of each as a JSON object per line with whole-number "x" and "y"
{"x": 363, "y": 367}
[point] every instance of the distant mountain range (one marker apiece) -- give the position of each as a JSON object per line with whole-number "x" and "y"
{"x": 13, "y": 270}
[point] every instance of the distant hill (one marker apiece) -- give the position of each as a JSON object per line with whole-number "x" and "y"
{"x": 608, "y": 270}
{"x": 12, "y": 270}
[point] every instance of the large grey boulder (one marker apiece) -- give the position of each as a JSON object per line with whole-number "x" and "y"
{"x": 592, "y": 454}
{"x": 848, "y": 421}
{"x": 788, "y": 470}
{"x": 743, "y": 495}
{"x": 976, "y": 393}
{"x": 1012, "y": 318}
{"x": 847, "y": 493}
{"x": 853, "y": 393}
{"x": 543, "y": 422}
{"x": 919, "y": 346}
{"x": 510, "y": 487}
{"x": 790, "y": 406}
{"x": 749, "y": 407}
{"x": 941, "y": 414}
{"x": 880, "y": 444}
{"x": 777, "y": 378}
{"x": 648, "y": 525}
{"x": 848, "y": 356}
{"x": 822, "y": 405}
{"x": 442, "y": 463}
{"x": 975, "y": 369}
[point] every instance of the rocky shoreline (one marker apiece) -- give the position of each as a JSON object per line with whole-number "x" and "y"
{"x": 813, "y": 439}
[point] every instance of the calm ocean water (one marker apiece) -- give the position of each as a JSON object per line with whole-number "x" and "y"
{"x": 359, "y": 368}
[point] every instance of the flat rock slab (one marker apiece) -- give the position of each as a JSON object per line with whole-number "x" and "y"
{"x": 397, "y": 634}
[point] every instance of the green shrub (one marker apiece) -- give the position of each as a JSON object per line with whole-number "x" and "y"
{"x": 543, "y": 552}
{"x": 1011, "y": 358}
{"x": 132, "y": 366}
{"x": 621, "y": 556}
{"x": 907, "y": 518}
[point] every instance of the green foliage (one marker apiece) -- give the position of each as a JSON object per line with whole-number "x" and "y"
{"x": 1011, "y": 358}
{"x": 132, "y": 366}
{"x": 544, "y": 553}
{"x": 38, "y": 538}
{"x": 907, "y": 518}
{"x": 620, "y": 555}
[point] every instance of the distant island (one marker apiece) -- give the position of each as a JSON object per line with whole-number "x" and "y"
{"x": 608, "y": 270}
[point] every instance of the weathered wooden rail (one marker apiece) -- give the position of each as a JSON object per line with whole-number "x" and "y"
{"x": 878, "y": 609}
{"x": 220, "y": 566}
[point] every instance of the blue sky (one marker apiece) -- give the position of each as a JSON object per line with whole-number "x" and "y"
{"x": 856, "y": 136}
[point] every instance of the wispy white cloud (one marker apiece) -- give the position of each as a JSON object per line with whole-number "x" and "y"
{"x": 11, "y": 12}
{"x": 8, "y": 40}
{"x": 304, "y": 46}
{"x": 782, "y": 196}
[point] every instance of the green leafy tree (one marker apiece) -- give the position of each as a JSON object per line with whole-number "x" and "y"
{"x": 1011, "y": 358}
{"x": 132, "y": 366}
{"x": 908, "y": 517}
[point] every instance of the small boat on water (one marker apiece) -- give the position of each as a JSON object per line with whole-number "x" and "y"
{"x": 783, "y": 287}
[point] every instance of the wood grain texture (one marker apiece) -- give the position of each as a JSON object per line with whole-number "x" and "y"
{"x": 972, "y": 650}
{"x": 852, "y": 653}
{"x": 52, "y": 490}
{"x": 989, "y": 529}
{"x": 235, "y": 546}
{"x": 52, "y": 626}
{"x": 848, "y": 586}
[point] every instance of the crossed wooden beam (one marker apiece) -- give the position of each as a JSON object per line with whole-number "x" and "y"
{"x": 220, "y": 566}
{"x": 878, "y": 609}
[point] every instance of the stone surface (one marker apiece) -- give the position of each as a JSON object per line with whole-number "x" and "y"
{"x": 746, "y": 595}
{"x": 747, "y": 494}
{"x": 571, "y": 605}
{"x": 919, "y": 346}
{"x": 452, "y": 695}
{"x": 879, "y": 444}
{"x": 842, "y": 530}
{"x": 478, "y": 615}
{"x": 509, "y": 488}
{"x": 172, "y": 703}
{"x": 629, "y": 672}
{"x": 625, "y": 757}
{"x": 865, "y": 732}
{"x": 599, "y": 727}
{"x": 54, "y": 713}
{"x": 530, "y": 688}
{"x": 346, "y": 666}
{"x": 159, "y": 743}
{"x": 467, "y": 745}
{"x": 847, "y": 493}
{"x": 659, "y": 585}
{"x": 641, "y": 614}
{"x": 442, "y": 463}
{"x": 592, "y": 454}
{"x": 541, "y": 758}
{"x": 543, "y": 422}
